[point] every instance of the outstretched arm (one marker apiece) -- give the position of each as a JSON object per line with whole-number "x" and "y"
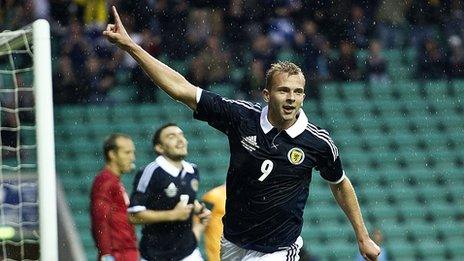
{"x": 346, "y": 197}
{"x": 174, "y": 84}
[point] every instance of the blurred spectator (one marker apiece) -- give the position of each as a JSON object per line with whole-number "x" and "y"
{"x": 76, "y": 46}
{"x": 66, "y": 88}
{"x": 198, "y": 28}
{"x": 60, "y": 14}
{"x": 217, "y": 60}
{"x": 281, "y": 29}
{"x": 145, "y": 10}
{"x": 235, "y": 21}
{"x": 358, "y": 28}
{"x": 345, "y": 68}
{"x": 391, "y": 22}
{"x": 324, "y": 62}
{"x": 99, "y": 80}
{"x": 456, "y": 57}
{"x": 197, "y": 73}
{"x": 310, "y": 44}
{"x": 376, "y": 64}
{"x": 454, "y": 21}
{"x": 172, "y": 18}
{"x": 145, "y": 88}
{"x": 13, "y": 15}
{"x": 423, "y": 16}
{"x": 41, "y": 9}
{"x": 262, "y": 50}
{"x": 431, "y": 64}
{"x": 254, "y": 81}
{"x": 94, "y": 12}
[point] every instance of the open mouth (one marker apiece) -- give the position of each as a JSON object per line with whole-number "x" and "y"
{"x": 288, "y": 109}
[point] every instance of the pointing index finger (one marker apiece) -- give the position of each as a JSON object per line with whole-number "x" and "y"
{"x": 117, "y": 20}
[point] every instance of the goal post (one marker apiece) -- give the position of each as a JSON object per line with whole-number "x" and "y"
{"x": 45, "y": 140}
{"x": 28, "y": 207}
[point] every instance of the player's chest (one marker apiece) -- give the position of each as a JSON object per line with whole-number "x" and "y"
{"x": 171, "y": 187}
{"x": 277, "y": 147}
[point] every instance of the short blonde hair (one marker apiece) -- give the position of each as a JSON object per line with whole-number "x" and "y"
{"x": 281, "y": 67}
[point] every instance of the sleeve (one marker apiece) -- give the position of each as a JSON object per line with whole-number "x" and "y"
{"x": 219, "y": 112}
{"x": 330, "y": 165}
{"x": 102, "y": 215}
{"x": 140, "y": 195}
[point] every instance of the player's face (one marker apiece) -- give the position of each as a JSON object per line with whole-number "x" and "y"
{"x": 285, "y": 98}
{"x": 173, "y": 143}
{"x": 124, "y": 156}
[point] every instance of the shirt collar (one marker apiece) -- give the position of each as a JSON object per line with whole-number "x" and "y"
{"x": 296, "y": 129}
{"x": 171, "y": 169}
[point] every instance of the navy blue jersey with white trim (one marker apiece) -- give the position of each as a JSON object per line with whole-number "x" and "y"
{"x": 270, "y": 171}
{"x": 158, "y": 186}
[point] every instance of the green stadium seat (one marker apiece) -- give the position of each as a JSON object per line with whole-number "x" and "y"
{"x": 71, "y": 114}
{"x": 403, "y": 194}
{"x": 79, "y": 202}
{"x": 122, "y": 94}
{"x": 354, "y": 91}
{"x": 330, "y": 90}
{"x": 401, "y": 250}
{"x": 408, "y": 90}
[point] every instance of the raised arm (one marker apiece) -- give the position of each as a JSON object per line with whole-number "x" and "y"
{"x": 346, "y": 197}
{"x": 173, "y": 83}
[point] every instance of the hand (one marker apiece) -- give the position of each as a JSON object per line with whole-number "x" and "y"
{"x": 204, "y": 216}
{"x": 369, "y": 249}
{"x": 116, "y": 33}
{"x": 181, "y": 211}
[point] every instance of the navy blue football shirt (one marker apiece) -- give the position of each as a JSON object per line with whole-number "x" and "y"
{"x": 158, "y": 187}
{"x": 270, "y": 171}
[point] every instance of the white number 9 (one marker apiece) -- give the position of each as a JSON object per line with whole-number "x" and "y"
{"x": 266, "y": 169}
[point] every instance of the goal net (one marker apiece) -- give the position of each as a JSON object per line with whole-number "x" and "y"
{"x": 28, "y": 222}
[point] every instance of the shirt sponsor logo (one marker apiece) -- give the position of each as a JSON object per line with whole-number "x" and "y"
{"x": 249, "y": 143}
{"x": 171, "y": 190}
{"x": 296, "y": 156}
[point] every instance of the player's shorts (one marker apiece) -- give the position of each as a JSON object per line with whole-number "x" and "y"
{"x": 194, "y": 256}
{"x": 232, "y": 252}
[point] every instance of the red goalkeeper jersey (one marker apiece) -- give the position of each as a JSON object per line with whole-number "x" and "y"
{"x": 111, "y": 229}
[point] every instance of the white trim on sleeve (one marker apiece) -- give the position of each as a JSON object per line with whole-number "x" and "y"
{"x": 338, "y": 181}
{"x": 198, "y": 94}
{"x": 136, "y": 209}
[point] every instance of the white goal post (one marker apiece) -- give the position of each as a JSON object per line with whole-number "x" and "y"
{"x": 33, "y": 40}
{"x": 45, "y": 140}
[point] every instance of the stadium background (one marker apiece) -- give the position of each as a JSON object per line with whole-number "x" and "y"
{"x": 398, "y": 120}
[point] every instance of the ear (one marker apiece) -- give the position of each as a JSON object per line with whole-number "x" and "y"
{"x": 266, "y": 95}
{"x": 111, "y": 155}
{"x": 159, "y": 149}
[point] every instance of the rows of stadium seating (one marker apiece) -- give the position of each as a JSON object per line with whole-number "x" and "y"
{"x": 400, "y": 144}
{"x": 405, "y": 161}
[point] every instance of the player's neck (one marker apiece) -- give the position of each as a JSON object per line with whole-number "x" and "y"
{"x": 114, "y": 169}
{"x": 175, "y": 163}
{"x": 280, "y": 124}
